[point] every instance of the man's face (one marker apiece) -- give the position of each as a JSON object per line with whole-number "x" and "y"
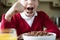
{"x": 29, "y": 6}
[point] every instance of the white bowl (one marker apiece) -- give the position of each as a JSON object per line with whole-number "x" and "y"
{"x": 51, "y": 37}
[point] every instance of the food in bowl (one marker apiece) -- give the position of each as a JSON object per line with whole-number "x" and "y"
{"x": 39, "y": 35}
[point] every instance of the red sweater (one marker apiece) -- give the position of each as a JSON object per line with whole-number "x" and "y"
{"x": 39, "y": 22}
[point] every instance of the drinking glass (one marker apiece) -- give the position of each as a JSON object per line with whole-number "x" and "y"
{"x": 8, "y": 34}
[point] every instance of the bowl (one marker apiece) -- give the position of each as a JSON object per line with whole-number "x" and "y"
{"x": 51, "y": 37}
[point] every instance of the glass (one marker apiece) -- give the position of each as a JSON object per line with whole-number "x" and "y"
{"x": 8, "y": 34}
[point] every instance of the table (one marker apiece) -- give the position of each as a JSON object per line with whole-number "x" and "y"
{"x": 56, "y": 39}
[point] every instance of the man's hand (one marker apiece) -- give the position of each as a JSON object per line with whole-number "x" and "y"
{"x": 13, "y": 10}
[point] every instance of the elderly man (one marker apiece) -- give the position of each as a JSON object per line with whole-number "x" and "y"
{"x": 24, "y": 18}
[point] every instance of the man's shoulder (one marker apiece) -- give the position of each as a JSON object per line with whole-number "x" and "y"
{"x": 42, "y": 13}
